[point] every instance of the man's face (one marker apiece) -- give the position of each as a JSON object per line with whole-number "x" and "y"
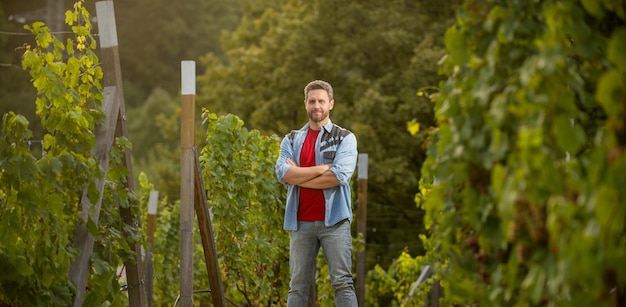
{"x": 318, "y": 105}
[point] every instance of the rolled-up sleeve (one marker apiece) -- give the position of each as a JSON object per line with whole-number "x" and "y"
{"x": 345, "y": 160}
{"x": 286, "y": 152}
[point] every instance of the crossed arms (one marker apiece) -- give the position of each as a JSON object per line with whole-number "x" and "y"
{"x": 313, "y": 177}
{"x": 336, "y": 172}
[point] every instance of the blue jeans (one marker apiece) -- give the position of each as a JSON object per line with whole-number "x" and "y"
{"x": 336, "y": 243}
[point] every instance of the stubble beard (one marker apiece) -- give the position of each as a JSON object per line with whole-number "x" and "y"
{"x": 317, "y": 118}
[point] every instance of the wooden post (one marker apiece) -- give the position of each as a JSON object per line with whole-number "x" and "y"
{"x": 115, "y": 125}
{"x": 152, "y": 210}
{"x": 208, "y": 242}
{"x": 84, "y": 240}
{"x": 113, "y": 75}
{"x": 312, "y": 300}
{"x": 361, "y": 228}
{"x": 187, "y": 172}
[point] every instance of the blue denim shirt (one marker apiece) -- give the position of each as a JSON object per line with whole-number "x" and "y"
{"x": 334, "y": 145}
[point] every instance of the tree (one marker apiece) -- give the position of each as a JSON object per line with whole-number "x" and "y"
{"x": 154, "y": 129}
{"x": 523, "y": 185}
{"x": 156, "y": 35}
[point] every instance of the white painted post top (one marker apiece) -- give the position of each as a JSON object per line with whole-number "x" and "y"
{"x": 107, "y": 29}
{"x": 362, "y": 166}
{"x": 188, "y": 77}
{"x": 152, "y": 202}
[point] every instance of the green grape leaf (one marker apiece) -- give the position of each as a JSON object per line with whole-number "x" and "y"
{"x": 617, "y": 49}
{"x": 92, "y": 227}
{"x": 455, "y": 43}
{"x": 569, "y": 136}
{"x": 22, "y": 266}
{"x": 608, "y": 92}
{"x": 100, "y": 266}
{"x": 594, "y": 7}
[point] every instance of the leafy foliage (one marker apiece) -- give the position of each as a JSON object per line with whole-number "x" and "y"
{"x": 40, "y": 198}
{"x": 247, "y": 204}
{"x": 394, "y": 287}
{"x": 166, "y": 251}
{"x": 114, "y": 238}
{"x": 523, "y": 185}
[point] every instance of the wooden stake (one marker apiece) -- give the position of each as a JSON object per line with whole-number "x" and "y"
{"x": 361, "y": 228}
{"x": 187, "y": 162}
{"x": 208, "y": 242}
{"x": 152, "y": 210}
{"x": 115, "y": 126}
{"x": 113, "y": 75}
{"x": 84, "y": 240}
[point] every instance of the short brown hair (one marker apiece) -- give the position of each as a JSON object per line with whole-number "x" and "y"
{"x": 318, "y": 85}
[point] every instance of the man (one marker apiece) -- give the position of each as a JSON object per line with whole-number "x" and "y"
{"x": 316, "y": 163}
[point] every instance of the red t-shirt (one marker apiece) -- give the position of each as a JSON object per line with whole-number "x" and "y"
{"x": 312, "y": 202}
